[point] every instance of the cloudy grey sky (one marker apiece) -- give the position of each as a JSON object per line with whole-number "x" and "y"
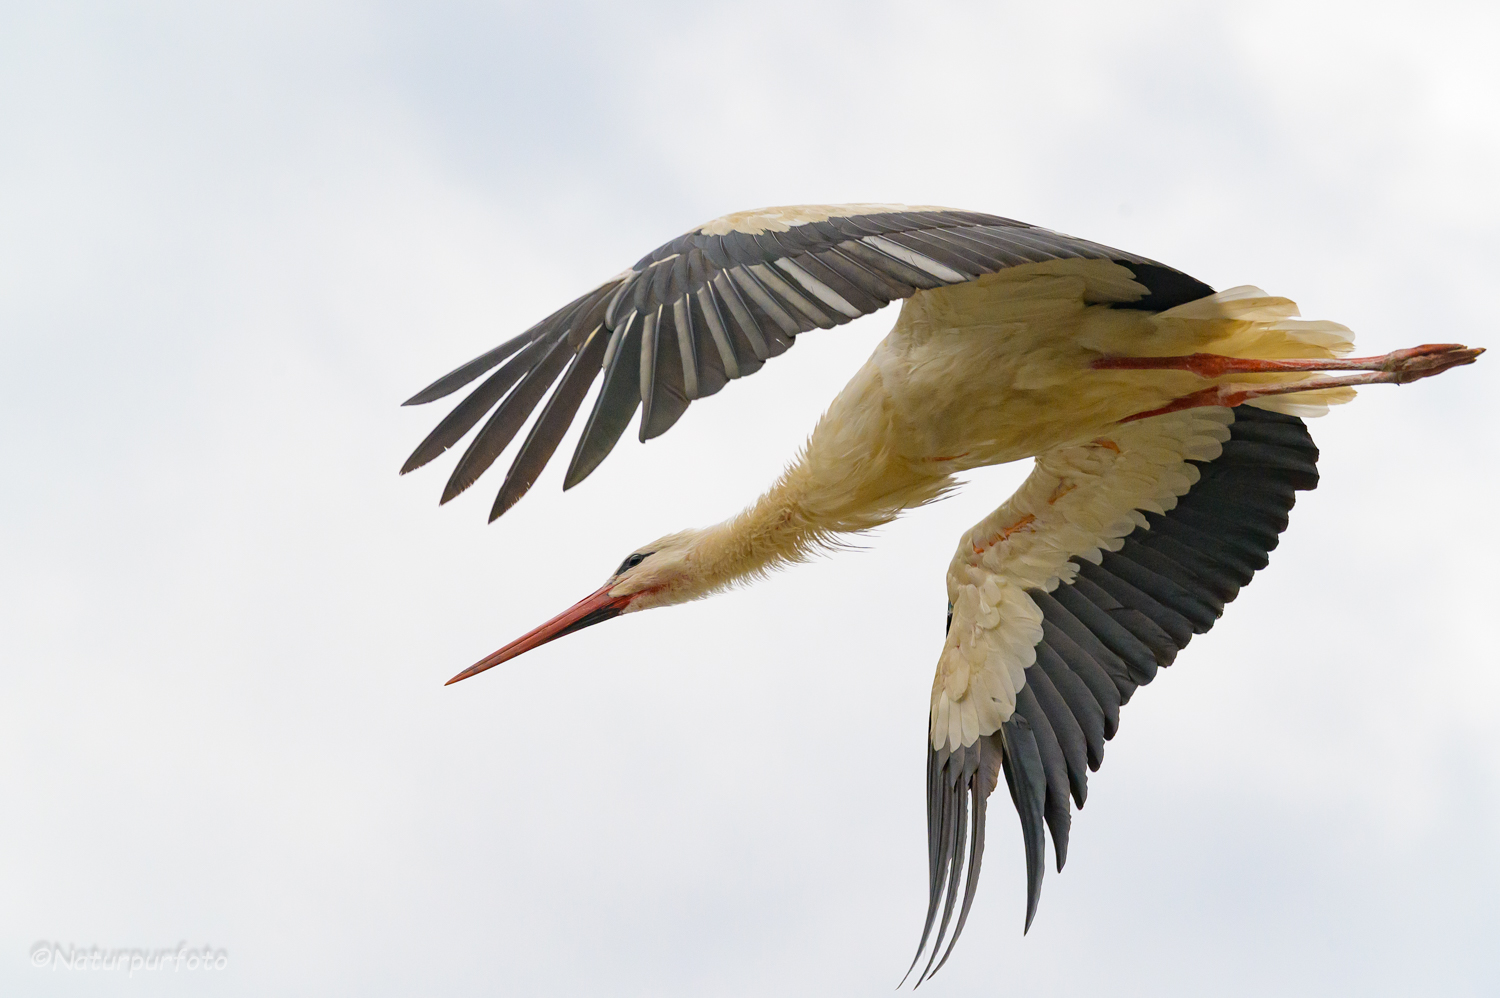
{"x": 234, "y": 237}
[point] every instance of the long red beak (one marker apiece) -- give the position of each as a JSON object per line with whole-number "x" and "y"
{"x": 590, "y": 610}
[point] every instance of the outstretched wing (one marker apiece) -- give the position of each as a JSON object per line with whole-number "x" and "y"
{"x": 713, "y": 305}
{"x": 1096, "y": 573}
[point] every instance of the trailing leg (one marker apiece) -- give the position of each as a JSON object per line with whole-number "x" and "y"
{"x": 1397, "y": 368}
{"x": 1410, "y": 364}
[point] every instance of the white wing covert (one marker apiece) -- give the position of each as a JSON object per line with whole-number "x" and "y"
{"x": 1063, "y": 601}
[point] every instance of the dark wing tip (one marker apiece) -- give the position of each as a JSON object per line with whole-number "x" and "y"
{"x": 438, "y": 389}
{"x": 467, "y": 372}
{"x": 616, "y": 404}
{"x": 557, "y": 415}
{"x": 1027, "y": 780}
{"x": 959, "y": 785}
{"x": 540, "y": 353}
{"x": 453, "y": 489}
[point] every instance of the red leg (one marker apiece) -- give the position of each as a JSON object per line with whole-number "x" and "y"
{"x": 1411, "y": 368}
{"x": 1410, "y": 364}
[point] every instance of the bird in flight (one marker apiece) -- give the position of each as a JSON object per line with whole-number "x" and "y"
{"x": 1165, "y": 420}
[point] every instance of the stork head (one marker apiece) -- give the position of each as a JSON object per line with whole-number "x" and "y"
{"x": 661, "y": 573}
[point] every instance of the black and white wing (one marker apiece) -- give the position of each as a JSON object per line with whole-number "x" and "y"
{"x": 714, "y": 305}
{"x": 1094, "y": 575}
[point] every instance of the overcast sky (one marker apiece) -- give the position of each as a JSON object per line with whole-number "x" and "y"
{"x": 234, "y": 237}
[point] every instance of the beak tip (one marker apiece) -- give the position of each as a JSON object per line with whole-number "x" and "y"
{"x": 465, "y": 675}
{"x": 590, "y": 610}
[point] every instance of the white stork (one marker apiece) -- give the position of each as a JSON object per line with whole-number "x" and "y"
{"x": 1164, "y": 418}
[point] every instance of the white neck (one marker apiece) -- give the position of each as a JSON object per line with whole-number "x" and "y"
{"x": 817, "y": 499}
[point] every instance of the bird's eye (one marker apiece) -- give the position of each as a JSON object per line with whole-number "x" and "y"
{"x": 632, "y": 561}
